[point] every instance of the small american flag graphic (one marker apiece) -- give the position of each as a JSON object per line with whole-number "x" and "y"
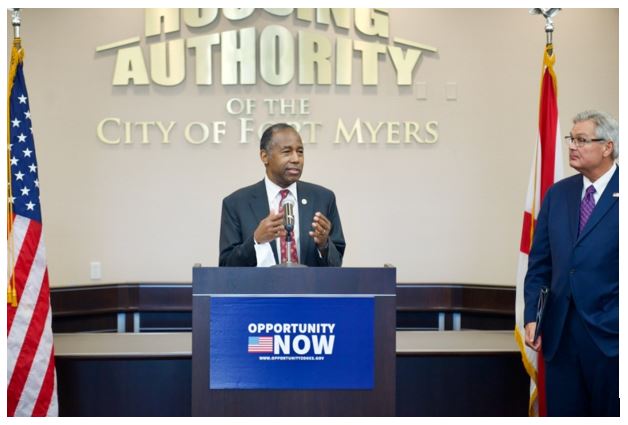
{"x": 260, "y": 344}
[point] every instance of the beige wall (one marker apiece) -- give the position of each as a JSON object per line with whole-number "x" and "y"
{"x": 446, "y": 212}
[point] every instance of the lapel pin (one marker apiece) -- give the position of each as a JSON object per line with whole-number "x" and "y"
{"x": 616, "y": 195}
{"x": 304, "y": 201}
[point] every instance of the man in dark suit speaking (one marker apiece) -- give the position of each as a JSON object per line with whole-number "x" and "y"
{"x": 252, "y": 232}
{"x": 575, "y": 252}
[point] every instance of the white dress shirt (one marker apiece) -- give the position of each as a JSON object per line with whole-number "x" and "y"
{"x": 263, "y": 251}
{"x": 600, "y": 184}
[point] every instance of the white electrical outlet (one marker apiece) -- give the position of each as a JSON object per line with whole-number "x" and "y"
{"x": 95, "y": 270}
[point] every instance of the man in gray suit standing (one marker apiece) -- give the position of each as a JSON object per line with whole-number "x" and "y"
{"x": 252, "y": 232}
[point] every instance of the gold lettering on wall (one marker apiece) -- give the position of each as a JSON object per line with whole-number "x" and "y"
{"x": 100, "y": 131}
{"x": 167, "y": 62}
{"x": 276, "y": 55}
{"x": 370, "y": 65}
{"x": 341, "y": 17}
{"x": 394, "y": 133}
{"x": 322, "y": 50}
{"x": 130, "y": 67}
{"x": 280, "y": 12}
{"x": 203, "y": 45}
{"x": 238, "y": 54}
{"x": 372, "y": 22}
{"x": 154, "y": 18}
{"x": 321, "y": 59}
{"x": 404, "y": 64}
{"x": 165, "y": 131}
{"x": 356, "y": 129}
{"x": 314, "y": 58}
{"x": 344, "y": 61}
{"x": 196, "y": 18}
{"x": 114, "y": 131}
{"x": 195, "y": 140}
{"x": 432, "y": 128}
{"x": 373, "y": 131}
{"x": 237, "y": 14}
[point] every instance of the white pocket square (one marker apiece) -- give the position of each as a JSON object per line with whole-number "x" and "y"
{"x": 616, "y": 195}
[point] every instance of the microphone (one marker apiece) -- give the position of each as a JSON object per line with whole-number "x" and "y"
{"x": 288, "y": 224}
{"x": 288, "y": 216}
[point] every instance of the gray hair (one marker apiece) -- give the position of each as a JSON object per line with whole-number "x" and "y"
{"x": 264, "y": 143}
{"x": 606, "y": 127}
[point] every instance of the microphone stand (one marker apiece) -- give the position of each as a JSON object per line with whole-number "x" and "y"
{"x": 289, "y": 244}
{"x": 289, "y": 262}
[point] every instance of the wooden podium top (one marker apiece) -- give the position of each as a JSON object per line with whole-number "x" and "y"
{"x": 179, "y": 344}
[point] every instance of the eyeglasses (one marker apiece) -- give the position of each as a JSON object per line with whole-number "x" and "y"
{"x": 580, "y": 141}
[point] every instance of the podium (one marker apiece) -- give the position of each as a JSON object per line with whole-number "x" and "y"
{"x": 293, "y": 341}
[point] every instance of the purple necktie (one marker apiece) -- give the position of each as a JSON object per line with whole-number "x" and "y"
{"x": 586, "y": 207}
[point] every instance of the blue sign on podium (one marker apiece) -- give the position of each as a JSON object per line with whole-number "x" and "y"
{"x": 291, "y": 343}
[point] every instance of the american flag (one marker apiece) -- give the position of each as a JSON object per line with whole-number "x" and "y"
{"x": 31, "y": 377}
{"x": 260, "y": 344}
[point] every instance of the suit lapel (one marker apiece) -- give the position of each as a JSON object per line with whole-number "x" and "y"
{"x": 607, "y": 200}
{"x": 260, "y": 209}
{"x": 573, "y": 207}
{"x": 306, "y": 214}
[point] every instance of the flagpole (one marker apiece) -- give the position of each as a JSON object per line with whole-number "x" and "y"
{"x": 16, "y": 21}
{"x": 31, "y": 376}
{"x": 546, "y": 170}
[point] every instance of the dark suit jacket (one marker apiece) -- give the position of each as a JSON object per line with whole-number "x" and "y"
{"x": 582, "y": 267}
{"x": 244, "y": 209}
